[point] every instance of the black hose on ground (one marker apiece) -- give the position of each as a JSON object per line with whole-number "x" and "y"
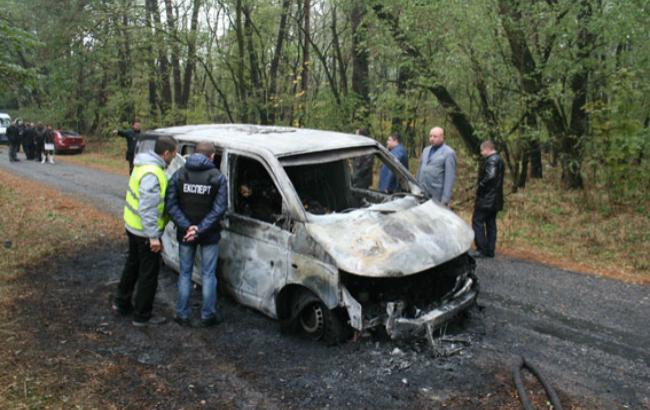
{"x": 521, "y": 390}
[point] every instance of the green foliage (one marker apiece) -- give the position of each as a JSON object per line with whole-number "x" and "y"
{"x": 90, "y": 65}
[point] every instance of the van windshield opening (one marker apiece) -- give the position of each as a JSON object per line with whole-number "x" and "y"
{"x": 345, "y": 184}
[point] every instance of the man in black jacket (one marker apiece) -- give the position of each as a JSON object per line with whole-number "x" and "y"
{"x": 14, "y": 141}
{"x": 196, "y": 199}
{"x": 29, "y": 134}
{"x": 131, "y": 137}
{"x": 489, "y": 201}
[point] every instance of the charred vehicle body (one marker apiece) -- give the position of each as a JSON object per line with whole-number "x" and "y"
{"x": 303, "y": 243}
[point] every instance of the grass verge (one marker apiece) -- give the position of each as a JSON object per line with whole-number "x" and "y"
{"x": 37, "y": 223}
{"x": 102, "y": 153}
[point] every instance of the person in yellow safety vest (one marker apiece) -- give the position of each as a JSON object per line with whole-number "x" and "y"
{"x": 144, "y": 219}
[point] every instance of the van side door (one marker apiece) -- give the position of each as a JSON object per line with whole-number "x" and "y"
{"x": 254, "y": 247}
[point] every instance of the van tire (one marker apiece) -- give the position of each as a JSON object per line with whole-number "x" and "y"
{"x": 314, "y": 320}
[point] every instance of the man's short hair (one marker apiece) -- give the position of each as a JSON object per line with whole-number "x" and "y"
{"x": 396, "y": 137}
{"x": 135, "y": 120}
{"x": 205, "y": 147}
{"x": 487, "y": 144}
{"x": 164, "y": 143}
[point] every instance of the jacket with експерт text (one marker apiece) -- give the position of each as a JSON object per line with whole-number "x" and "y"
{"x": 150, "y": 195}
{"x": 198, "y": 195}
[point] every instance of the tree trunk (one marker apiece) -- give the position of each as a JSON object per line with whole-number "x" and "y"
{"x": 256, "y": 84}
{"x": 360, "y": 74}
{"x": 305, "y": 46}
{"x": 151, "y": 64}
{"x": 340, "y": 63}
{"x": 275, "y": 62}
{"x": 124, "y": 75}
{"x": 173, "y": 40}
{"x": 573, "y": 142}
{"x": 241, "y": 82}
{"x": 166, "y": 91}
{"x": 191, "y": 55}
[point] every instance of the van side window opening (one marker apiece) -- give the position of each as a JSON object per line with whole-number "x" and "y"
{"x": 254, "y": 192}
{"x": 334, "y": 186}
{"x": 218, "y": 154}
{"x": 187, "y": 150}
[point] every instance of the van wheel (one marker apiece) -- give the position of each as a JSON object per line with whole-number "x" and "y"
{"x": 317, "y": 322}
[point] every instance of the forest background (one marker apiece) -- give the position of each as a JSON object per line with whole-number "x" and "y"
{"x": 561, "y": 87}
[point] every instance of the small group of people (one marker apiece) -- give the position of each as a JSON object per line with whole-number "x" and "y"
{"x": 195, "y": 198}
{"x": 37, "y": 141}
{"x": 437, "y": 174}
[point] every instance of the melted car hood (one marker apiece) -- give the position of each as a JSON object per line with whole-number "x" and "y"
{"x": 398, "y": 238}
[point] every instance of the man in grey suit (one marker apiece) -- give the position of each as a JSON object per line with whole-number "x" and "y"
{"x": 437, "y": 170}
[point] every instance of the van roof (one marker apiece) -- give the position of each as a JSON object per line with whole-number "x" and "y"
{"x": 4, "y": 115}
{"x": 280, "y": 141}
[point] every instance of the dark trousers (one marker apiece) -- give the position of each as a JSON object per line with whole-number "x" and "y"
{"x": 140, "y": 274}
{"x": 13, "y": 151}
{"x": 484, "y": 223}
{"x": 28, "y": 149}
{"x": 38, "y": 152}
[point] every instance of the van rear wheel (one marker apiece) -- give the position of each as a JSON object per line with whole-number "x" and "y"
{"x": 317, "y": 322}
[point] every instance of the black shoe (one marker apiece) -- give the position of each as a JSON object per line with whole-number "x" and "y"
{"x": 212, "y": 321}
{"x": 152, "y": 321}
{"x": 118, "y": 311}
{"x": 183, "y": 322}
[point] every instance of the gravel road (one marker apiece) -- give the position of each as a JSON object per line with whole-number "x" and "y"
{"x": 590, "y": 336}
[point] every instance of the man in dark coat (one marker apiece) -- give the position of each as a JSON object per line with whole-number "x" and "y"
{"x": 197, "y": 198}
{"x": 131, "y": 137}
{"x": 489, "y": 201}
{"x": 14, "y": 141}
{"x": 388, "y": 182}
{"x": 29, "y": 134}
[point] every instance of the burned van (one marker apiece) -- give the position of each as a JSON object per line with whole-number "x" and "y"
{"x": 307, "y": 242}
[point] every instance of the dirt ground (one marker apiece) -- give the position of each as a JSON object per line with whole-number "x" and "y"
{"x": 66, "y": 349}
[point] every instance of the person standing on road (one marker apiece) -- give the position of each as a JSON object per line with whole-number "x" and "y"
{"x": 437, "y": 170}
{"x": 48, "y": 145}
{"x": 387, "y": 180}
{"x": 145, "y": 220}
{"x": 489, "y": 201}
{"x": 28, "y": 140}
{"x": 131, "y": 137}
{"x": 196, "y": 199}
{"x": 14, "y": 141}
{"x": 39, "y": 142}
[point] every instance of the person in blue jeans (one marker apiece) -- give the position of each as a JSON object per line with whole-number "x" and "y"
{"x": 196, "y": 200}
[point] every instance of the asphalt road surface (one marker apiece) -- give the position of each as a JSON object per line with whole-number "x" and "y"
{"x": 589, "y": 336}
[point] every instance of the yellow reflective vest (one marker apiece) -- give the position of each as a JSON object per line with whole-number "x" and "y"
{"x": 131, "y": 215}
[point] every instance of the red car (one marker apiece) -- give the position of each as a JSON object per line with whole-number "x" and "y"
{"x": 68, "y": 141}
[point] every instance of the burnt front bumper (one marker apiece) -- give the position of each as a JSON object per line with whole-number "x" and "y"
{"x": 398, "y": 325}
{"x": 401, "y": 320}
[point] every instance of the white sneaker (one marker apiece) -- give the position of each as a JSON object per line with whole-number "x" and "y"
{"x": 43, "y": 161}
{"x": 51, "y": 161}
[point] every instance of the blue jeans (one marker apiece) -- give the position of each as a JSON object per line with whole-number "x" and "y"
{"x": 209, "y": 256}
